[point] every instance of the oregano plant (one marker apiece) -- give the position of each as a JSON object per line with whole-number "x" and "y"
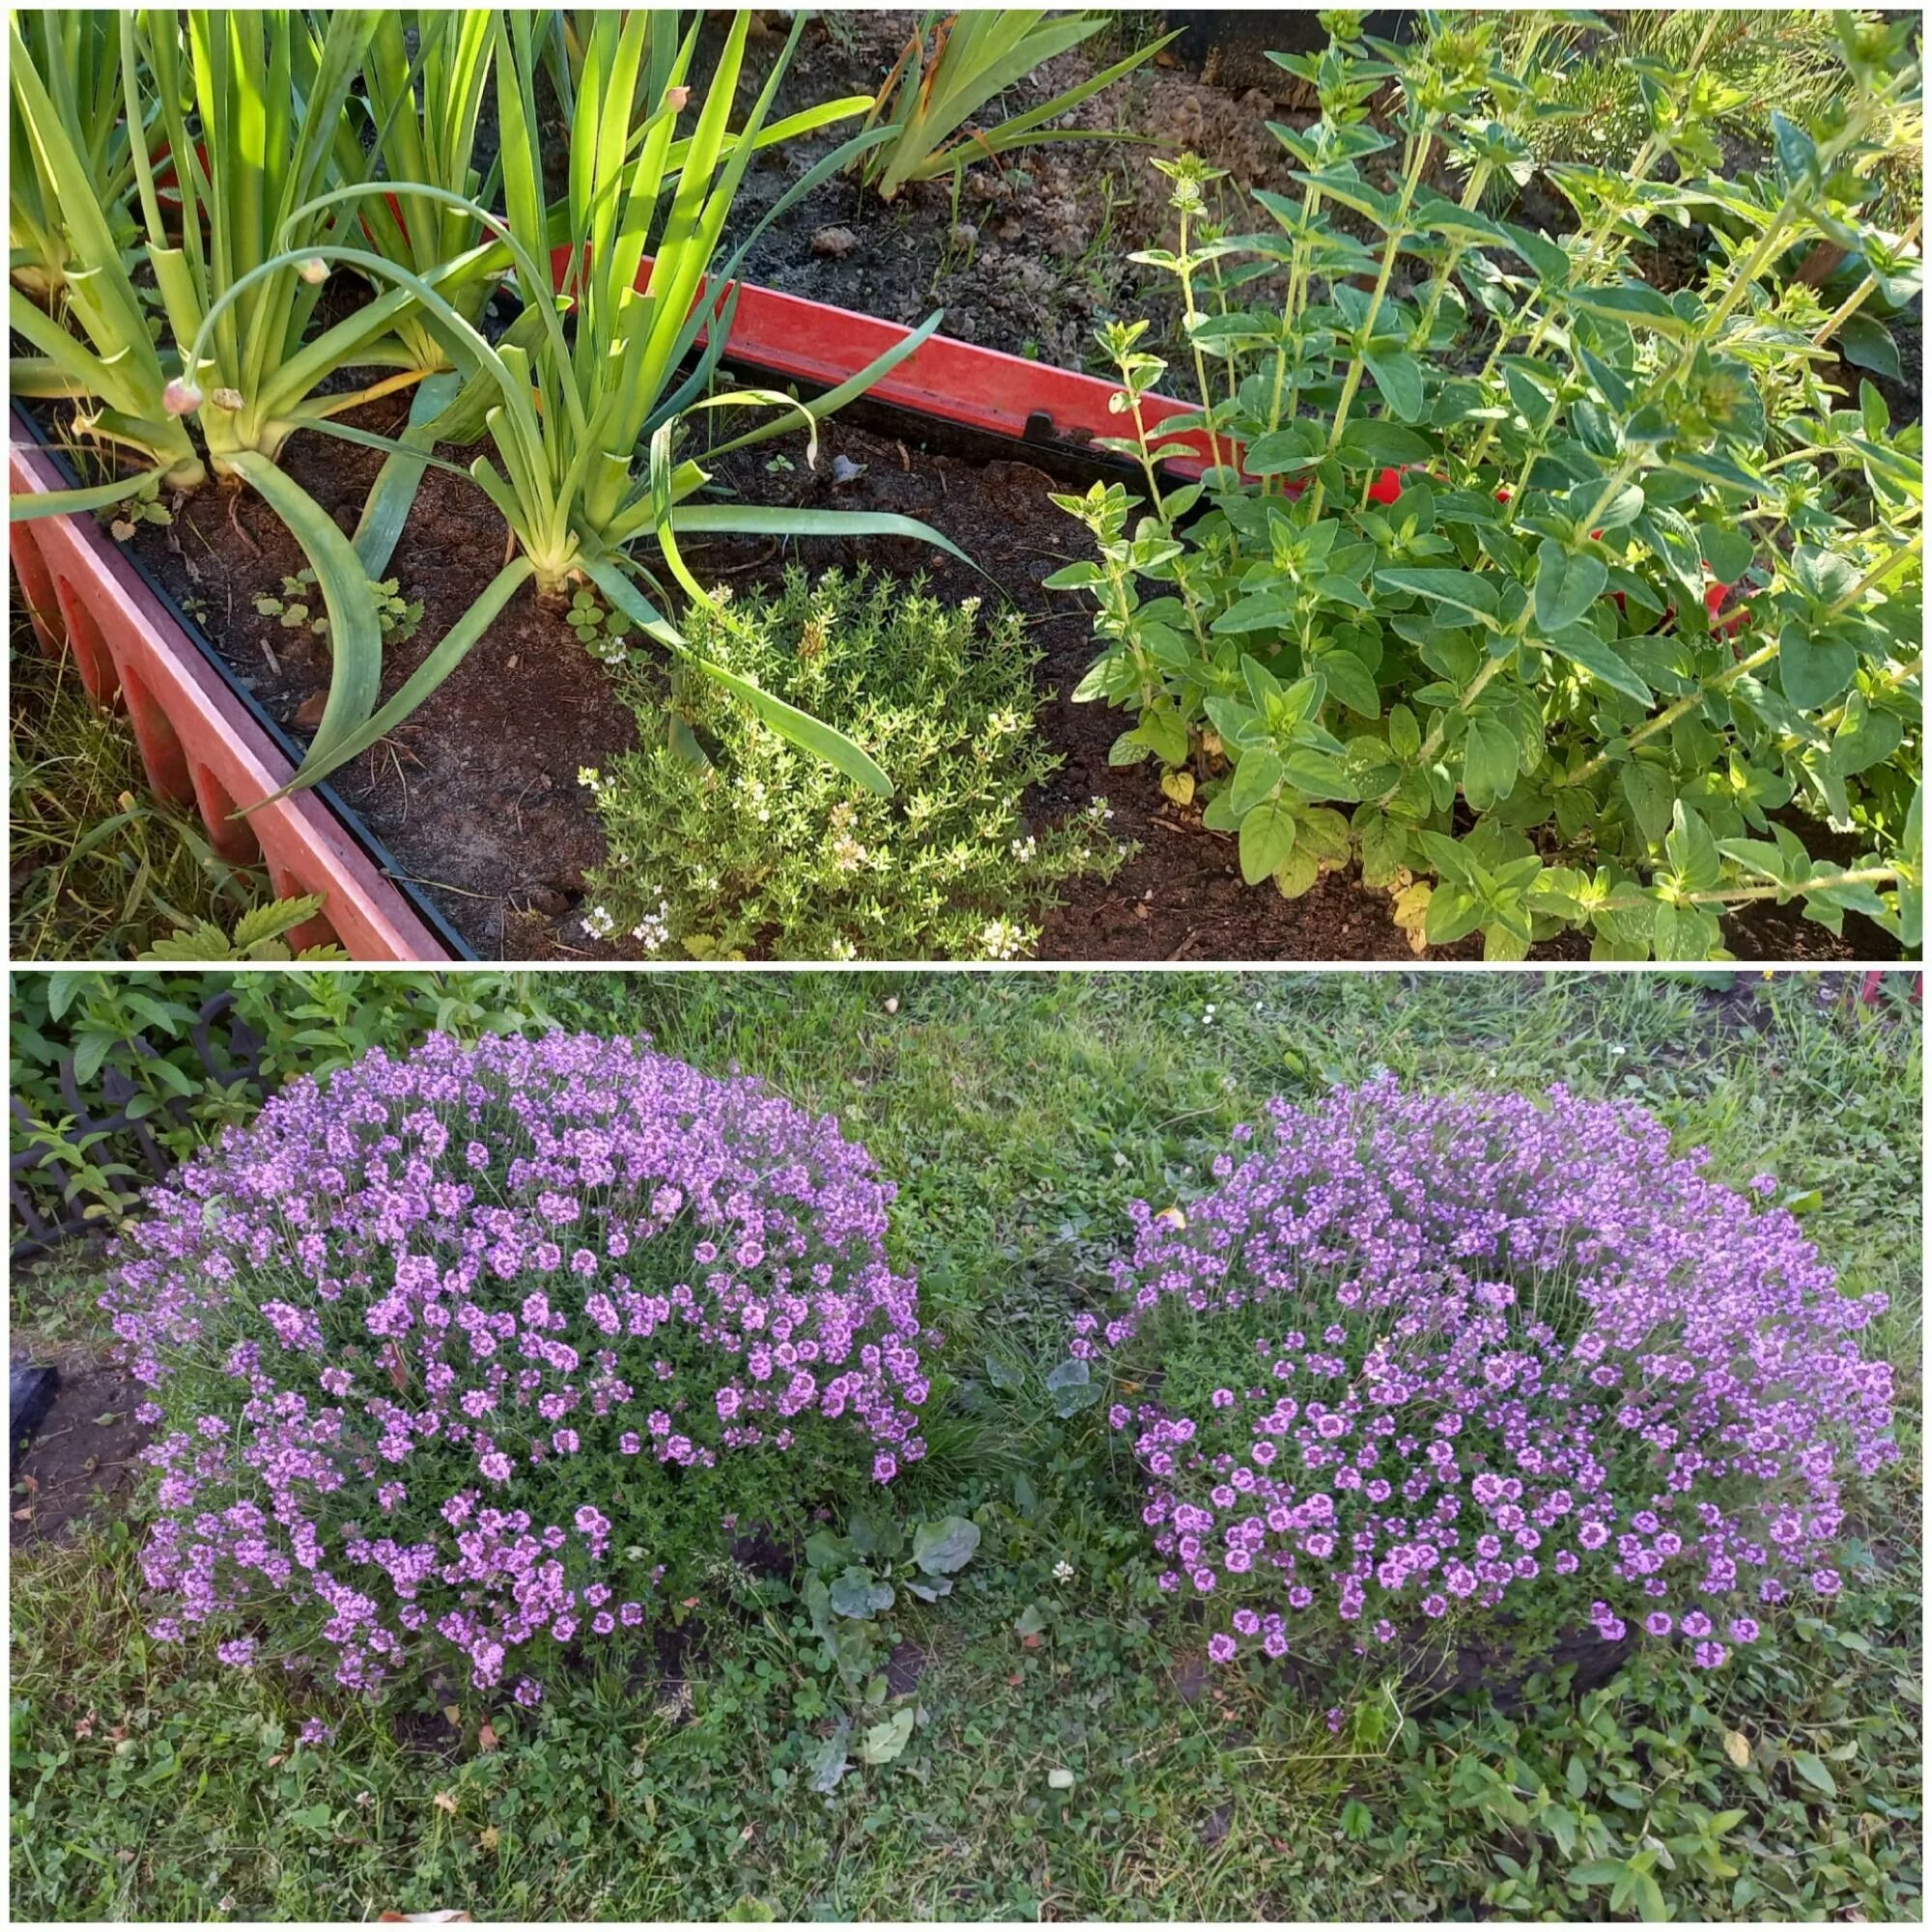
{"x": 1554, "y": 598}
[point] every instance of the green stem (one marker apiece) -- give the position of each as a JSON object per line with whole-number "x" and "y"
{"x": 1472, "y": 195}
{"x": 1762, "y": 655}
{"x": 1437, "y": 732}
{"x": 1865, "y": 875}
{"x": 1397, "y": 235}
{"x": 1189, "y": 317}
{"x": 1890, "y": 681}
{"x": 1859, "y": 297}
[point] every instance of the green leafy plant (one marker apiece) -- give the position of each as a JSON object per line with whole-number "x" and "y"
{"x": 851, "y": 1585}
{"x": 294, "y": 605}
{"x": 726, "y": 841}
{"x": 604, "y": 634}
{"x": 128, "y": 516}
{"x": 854, "y": 1579}
{"x": 260, "y": 933}
{"x": 1564, "y": 585}
{"x": 953, "y": 65}
{"x": 1653, "y": 1800}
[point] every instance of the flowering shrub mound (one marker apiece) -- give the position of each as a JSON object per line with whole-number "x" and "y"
{"x": 477, "y": 1351}
{"x": 1433, "y": 1369}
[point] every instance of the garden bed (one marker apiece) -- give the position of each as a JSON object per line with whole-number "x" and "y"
{"x": 476, "y": 796}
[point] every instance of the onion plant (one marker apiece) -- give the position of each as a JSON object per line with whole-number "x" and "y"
{"x": 93, "y": 345}
{"x": 77, "y": 55}
{"x": 583, "y": 399}
{"x": 423, "y": 114}
{"x": 270, "y": 93}
{"x": 975, "y": 54}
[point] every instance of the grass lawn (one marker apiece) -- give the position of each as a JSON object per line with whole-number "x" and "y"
{"x": 1020, "y": 1114}
{"x": 102, "y": 868}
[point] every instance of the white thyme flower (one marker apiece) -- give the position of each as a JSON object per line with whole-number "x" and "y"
{"x": 1062, "y": 1571}
{"x": 654, "y": 928}
{"x": 999, "y": 939}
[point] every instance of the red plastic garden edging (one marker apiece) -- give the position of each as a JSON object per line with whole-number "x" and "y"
{"x": 199, "y": 738}
{"x": 960, "y": 383}
{"x": 198, "y": 742}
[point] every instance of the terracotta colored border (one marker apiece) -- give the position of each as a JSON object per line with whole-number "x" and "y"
{"x": 198, "y": 743}
{"x": 959, "y": 381}
{"x": 985, "y": 389}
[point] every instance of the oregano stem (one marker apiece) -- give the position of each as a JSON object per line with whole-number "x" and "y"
{"x": 1762, "y": 655}
{"x": 1859, "y": 297}
{"x": 1864, "y": 875}
{"x": 1398, "y": 233}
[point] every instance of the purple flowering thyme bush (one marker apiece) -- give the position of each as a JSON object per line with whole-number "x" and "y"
{"x": 1424, "y": 1371}
{"x": 474, "y": 1353}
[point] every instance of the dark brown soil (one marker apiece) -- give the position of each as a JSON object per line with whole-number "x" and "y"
{"x": 477, "y": 794}
{"x": 85, "y": 1456}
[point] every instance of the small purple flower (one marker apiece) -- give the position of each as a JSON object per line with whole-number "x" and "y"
{"x": 1221, "y": 1647}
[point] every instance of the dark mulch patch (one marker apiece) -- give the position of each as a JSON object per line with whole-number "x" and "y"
{"x": 904, "y": 1668}
{"x": 85, "y": 1457}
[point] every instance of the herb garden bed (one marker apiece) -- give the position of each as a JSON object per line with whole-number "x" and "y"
{"x": 476, "y": 796}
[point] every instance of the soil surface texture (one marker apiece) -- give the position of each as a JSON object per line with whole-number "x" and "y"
{"x": 85, "y": 1454}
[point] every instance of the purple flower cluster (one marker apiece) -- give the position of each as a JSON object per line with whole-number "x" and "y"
{"x": 434, "y": 1346}
{"x": 1417, "y": 1363}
